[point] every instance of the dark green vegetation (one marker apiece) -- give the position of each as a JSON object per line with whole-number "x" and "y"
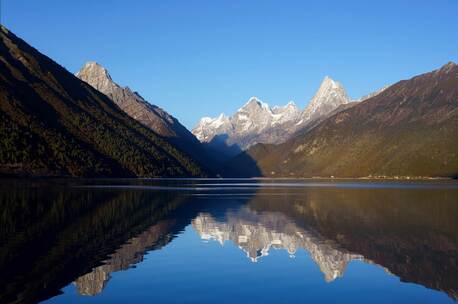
{"x": 410, "y": 129}
{"x": 51, "y": 123}
{"x": 50, "y": 234}
{"x": 53, "y": 232}
{"x": 410, "y": 232}
{"x": 152, "y": 116}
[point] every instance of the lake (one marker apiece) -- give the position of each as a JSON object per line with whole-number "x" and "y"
{"x": 228, "y": 241}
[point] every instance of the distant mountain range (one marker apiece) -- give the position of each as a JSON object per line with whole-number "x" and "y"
{"x": 409, "y": 129}
{"x": 53, "y": 124}
{"x": 257, "y": 122}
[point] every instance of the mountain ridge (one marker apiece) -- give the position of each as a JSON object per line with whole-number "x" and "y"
{"x": 53, "y": 124}
{"x": 148, "y": 114}
{"x": 408, "y": 130}
{"x": 257, "y": 122}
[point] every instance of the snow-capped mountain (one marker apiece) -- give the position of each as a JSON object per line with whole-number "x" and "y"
{"x": 289, "y": 112}
{"x": 329, "y": 96}
{"x": 257, "y": 122}
{"x": 253, "y": 123}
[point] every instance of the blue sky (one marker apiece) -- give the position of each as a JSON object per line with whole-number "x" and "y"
{"x": 201, "y": 58}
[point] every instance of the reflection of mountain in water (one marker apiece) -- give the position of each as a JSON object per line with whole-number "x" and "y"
{"x": 256, "y": 233}
{"x": 52, "y": 236}
{"x": 412, "y": 233}
{"x": 123, "y": 258}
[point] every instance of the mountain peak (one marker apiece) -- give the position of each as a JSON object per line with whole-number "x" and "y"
{"x": 255, "y": 102}
{"x": 93, "y": 69}
{"x": 87, "y": 134}
{"x": 253, "y": 99}
{"x": 329, "y": 96}
{"x": 98, "y": 77}
{"x": 448, "y": 67}
{"x": 4, "y": 29}
{"x": 329, "y": 82}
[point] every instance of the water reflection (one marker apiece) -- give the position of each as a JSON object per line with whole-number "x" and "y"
{"x": 56, "y": 233}
{"x": 257, "y": 233}
{"x": 413, "y": 234}
{"x": 51, "y": 233}
{"x": 123, "y": 258}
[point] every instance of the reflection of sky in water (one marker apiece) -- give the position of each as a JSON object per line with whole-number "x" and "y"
{"x": 279, "y": 242}
{"x": 190, "y": 270}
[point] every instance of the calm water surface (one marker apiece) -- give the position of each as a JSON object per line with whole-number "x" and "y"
{"x": 234, "y": 241}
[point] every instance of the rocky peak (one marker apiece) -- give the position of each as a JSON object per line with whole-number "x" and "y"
{"x": 95, "y": 69}
{"x": 207, "y": 127}
{"x": 98, "y": 77}
{"x": 254, "y": 116}
{"x": 290, "y": 106}
{"x": 448, "y": 67}
{"x": 329, "y": 96}
{"x": 288, "y": 113}
{"x": 255, "y": 105}
{"x": 256, "y": 122}
{"x": 130, "y": 101}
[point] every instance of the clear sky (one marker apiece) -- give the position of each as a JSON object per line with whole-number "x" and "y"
{"x": 201, "y": 58}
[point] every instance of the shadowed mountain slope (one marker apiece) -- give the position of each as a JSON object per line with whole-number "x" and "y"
{"x": 52, "y": 123}
{"x": 148, "y": 114}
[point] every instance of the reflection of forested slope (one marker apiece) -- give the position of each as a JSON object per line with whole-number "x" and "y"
{"x": 413, "y": 233}
{"x": 153, "y": 238}
{"x": 124, "y": 257}
{"x": 50, "y": 236}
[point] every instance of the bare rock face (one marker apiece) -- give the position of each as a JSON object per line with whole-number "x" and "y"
{"x": 53, "y": 124}
{"x": 148, "y": 114}
{"x": 329, "y": 96}
{"x": 208, "y": 127}
{"x": 407, "y": 130}
{"x": 131, "y": 102}
{"x": 257, "y": 122}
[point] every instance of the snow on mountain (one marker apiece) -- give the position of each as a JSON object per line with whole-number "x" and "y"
{"x": 287, "y": 113}
{"x": 257, "y": 122}
{"x": 208, "y": 127}
{"x": 249, "y": 125}
{"x": 329, "y": 96}
{"x": 254, "y": 116}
